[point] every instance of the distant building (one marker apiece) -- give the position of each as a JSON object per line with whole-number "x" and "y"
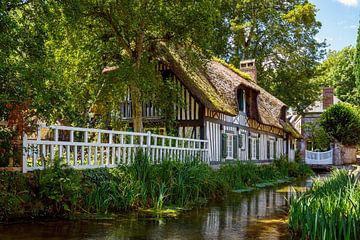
{"x": 312, "y": 114}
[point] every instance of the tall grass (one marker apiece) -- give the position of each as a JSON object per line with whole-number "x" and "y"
{"x": 245, "y": 174}
{"x": 330, "y": 210}
{"x": 62, "y": 191}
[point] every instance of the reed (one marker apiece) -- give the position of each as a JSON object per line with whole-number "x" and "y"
{"x": 330, "y": 210}
{"x": 61, "y": 192}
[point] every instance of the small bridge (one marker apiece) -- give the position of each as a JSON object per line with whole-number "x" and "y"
{"x": 83, "y": 148}
{"x": 319, "y": 158}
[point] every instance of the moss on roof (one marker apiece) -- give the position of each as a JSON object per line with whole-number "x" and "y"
{"x": 215, "y": 84}
{"x": 233, "y": 68}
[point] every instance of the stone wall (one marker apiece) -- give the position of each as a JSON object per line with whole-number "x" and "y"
{"x": 344, "y": 154}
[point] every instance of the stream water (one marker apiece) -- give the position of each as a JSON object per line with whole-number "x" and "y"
{"x": 260, "y": 214}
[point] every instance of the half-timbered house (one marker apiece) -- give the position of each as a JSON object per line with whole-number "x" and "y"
{"x": 226, "y": 106}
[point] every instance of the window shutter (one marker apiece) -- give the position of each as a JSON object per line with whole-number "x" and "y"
{"x": 223, "y": 145}
{"x": 235, "y": 147}
{"x": 249, "y": 149}
{"x": 257, "y": 149}
{"x": 268, "y": 149}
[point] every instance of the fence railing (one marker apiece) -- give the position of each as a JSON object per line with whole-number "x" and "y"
{"x": 83, "y": 148}
{"x": 319, "y": 158}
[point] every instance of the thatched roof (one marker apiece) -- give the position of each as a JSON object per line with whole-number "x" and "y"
{"x": 216, "y": 84}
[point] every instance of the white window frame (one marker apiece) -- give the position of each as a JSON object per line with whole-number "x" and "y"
{"x": 253, "y": 139}
{"x": 243, "y": 141}
{"x": 230, "y": 142}
{"x": 272, "y": 142}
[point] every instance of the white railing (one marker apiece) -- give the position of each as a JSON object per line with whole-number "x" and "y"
{"x": 319, "y": 158}
{"x": 93, "y": 148}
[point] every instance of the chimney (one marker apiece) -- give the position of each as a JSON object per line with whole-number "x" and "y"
{"x": 328, "y": 97}
{"x": 249, "y": 67}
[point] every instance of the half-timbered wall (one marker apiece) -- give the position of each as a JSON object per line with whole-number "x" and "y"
{"x": 246, "y": 139}
{"x": 255, "y": 141}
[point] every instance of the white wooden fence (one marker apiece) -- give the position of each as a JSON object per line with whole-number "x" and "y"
{"x": 319, "y": 158}
{"x": 82, "y": 148}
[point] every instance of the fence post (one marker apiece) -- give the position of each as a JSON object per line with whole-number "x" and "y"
{"x": 25, "y": 149}
{"x": 148, "y": 143}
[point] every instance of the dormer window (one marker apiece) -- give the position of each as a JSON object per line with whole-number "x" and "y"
{"x": 283, "y": 113}
{"x": 241, "y": 100}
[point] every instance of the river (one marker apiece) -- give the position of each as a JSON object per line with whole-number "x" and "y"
{"x": 260, "y": 214}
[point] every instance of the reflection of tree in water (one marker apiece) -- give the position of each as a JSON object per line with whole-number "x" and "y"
{"x": 258, "y": 215}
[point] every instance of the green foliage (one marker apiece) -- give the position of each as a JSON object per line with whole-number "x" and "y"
{"x": 25, "y": 76}
{"x": 8, "y": 148}
{"x": 317, "y": 135}
{"x": 337, "y": 71}
{"x": 357, "y": 60}
{"x": 14, "y": 195}
{"x": 281, "y": 37}
{"x": 243, "y": 174}
{"x": 123, "y": 34}
{"x": 59, "y": 190}
{"x": 342, "y": 122}
{"x": 330, "y": 210}
{"x": 233, "y": 68}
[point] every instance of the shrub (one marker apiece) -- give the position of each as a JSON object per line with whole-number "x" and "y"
{"x": 342, "y": 122}
{"x": 15, "y": 194}
{"x": 8, "y": 150}
{"x": 60, "y": 189}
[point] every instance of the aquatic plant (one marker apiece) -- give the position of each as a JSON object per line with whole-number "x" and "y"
{"x": 61, "y": 192}
{"x": 330, "y": 210}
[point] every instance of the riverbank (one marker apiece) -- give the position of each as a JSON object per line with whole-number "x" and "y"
{"x": 62, "y": 193}
{"x": 330, "y": 210}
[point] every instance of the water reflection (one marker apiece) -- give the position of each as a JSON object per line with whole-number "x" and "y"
{"x": 257, "y": 215}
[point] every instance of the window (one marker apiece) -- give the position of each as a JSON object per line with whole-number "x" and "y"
{"x": 229, "y": 146}
{"x": 241, "y": 100}
{"x": 254, "y": 148}
{"x": 270, "y": 149}
{"x": 241, "y": 141}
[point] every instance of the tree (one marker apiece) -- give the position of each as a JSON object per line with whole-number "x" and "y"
{"x": 281, "y": 37}
{"x": 128, "y": 31}
{"x": 342, "y": 122}
{"x": 337, "y": 71}
{"x": 27, "y": 91}
{"x": 316, "y": 134}
{"x": 357, "y": 60}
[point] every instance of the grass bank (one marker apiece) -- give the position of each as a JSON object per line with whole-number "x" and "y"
{"x": 63, "y": 192}
{"x": 330, "y": 210}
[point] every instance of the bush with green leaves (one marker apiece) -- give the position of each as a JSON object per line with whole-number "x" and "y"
{"x": 8, "y": 150}
{"x": 61, "y": 192}
{"x": 15, "y": 195}
{"x": 319, "y": 138}
{"x": 342, "y": 122}
{"x": 60, "y": 189}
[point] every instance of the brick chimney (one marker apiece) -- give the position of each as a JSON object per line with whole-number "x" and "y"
{"x": 328, "y": 97}
{"x": 249, "y": 67}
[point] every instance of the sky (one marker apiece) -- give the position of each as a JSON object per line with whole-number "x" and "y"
{"x": 340, "y": 21}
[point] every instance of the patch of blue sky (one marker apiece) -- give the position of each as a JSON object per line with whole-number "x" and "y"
{"x": 340, "y": 22}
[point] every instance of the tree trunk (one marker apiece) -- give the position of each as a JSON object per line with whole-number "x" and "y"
{"x": 136, "y": 108}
